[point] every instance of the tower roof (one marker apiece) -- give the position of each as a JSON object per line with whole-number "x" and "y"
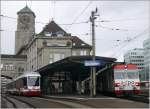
{"x": 53, "y": 28}
{"x": 26, "y": 9}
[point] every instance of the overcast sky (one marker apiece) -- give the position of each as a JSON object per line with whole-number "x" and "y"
{"x": 126, "y": 23}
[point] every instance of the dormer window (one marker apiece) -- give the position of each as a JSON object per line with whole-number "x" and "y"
{"x": 82, "y": 44}
{"x": 60, "y": 33}
{"x": 48, "y": 33}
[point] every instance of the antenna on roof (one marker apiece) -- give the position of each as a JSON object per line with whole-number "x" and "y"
{"x": 53, "y": 3}
{"x": 50, "y": 17}
{"x": 30, "y": 4}
{"x": 26, "y": 3}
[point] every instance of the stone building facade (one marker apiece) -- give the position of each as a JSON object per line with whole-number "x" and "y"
{"x": 50, "y": 45}
{"x": 25, "y": 29}
{"x": 13, "y": 65}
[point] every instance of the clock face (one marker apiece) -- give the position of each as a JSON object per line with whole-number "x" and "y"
{"x": 24, "y": 19}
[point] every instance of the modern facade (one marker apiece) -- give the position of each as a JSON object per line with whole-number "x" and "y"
{"x": 146, "y": 46}
{"x": 135, "y": 56}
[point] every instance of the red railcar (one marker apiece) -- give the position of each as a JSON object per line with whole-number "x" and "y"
{"x": 126, "y": 79}
{"x": 120, "y": 79}
{"x": 27, "y": 84}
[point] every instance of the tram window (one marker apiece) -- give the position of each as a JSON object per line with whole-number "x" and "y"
{"x": 132, "y": 75}
{"x": 118, "y": 75}
{"x": 25, "y": 81}
{"x": 33, "y": 81}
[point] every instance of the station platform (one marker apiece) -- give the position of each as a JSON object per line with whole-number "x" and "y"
{"x": 77, "y": 97}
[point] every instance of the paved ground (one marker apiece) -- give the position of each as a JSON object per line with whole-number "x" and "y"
{"x": 81, "y": 102}
{"x": 114, "y": 103}
{"x": 102, "y": 101}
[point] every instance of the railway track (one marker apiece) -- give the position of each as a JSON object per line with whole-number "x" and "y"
{"x": 72, "y": 102}
{"x": 13, "y": 105}
{"x": 42, "y": 102}
{"x": 17, "y": 103}
{"x": 24, "y": 101}
{"x": 138, "y": 98}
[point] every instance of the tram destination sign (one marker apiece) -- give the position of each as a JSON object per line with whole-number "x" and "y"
{"x": 92, "y": 63}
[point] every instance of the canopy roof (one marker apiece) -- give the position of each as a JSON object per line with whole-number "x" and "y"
{"x": 73, "y": 64}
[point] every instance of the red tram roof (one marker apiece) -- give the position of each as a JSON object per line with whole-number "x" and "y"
{"x": 128, "y": 66}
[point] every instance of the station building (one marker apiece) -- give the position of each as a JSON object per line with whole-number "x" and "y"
{"x": 57, "y": 55}
{"x": 13, "y": 65}
{"x": 33, "y": 51}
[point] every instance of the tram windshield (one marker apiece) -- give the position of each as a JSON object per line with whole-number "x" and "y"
{"x": 132, "y": 74}
{"x": 33, "y": 81}
{"x": 119, "y": 75}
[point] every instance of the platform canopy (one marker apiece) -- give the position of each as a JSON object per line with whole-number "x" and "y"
{"x": 74, "y": 64}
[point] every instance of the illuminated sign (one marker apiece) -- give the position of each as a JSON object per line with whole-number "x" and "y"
{"x": 92, "y": 63}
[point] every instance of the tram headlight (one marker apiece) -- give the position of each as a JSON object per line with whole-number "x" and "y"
{"x": 116, "y": 84}
{"x": 137, "y": 84}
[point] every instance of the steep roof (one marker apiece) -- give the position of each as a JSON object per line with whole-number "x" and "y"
{"x": 78, "y": 43}
{"x": 52, "y": 27}
{"x": 26, "y": 9}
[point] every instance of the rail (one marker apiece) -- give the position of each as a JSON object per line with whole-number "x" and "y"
{"x": 23, "y": 101}
{"x": 10, "y": 101}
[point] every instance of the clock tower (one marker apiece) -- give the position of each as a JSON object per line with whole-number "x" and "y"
{"x": 25, "y": 28}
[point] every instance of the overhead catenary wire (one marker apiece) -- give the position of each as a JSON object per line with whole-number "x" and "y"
{"x": 82, "y": 22}
{"x": 121, "y": 20}
{"x": 130, "y": 40}
{"x": 86, "y": 34}
{"x": 72, "y": 23}
{"x": 7, "y": 16}
{"x": 90, "y": 2}
{"x": 95, "y": 21}
{"x": 110, "y": 28}
{"x": 89, "y": 34}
